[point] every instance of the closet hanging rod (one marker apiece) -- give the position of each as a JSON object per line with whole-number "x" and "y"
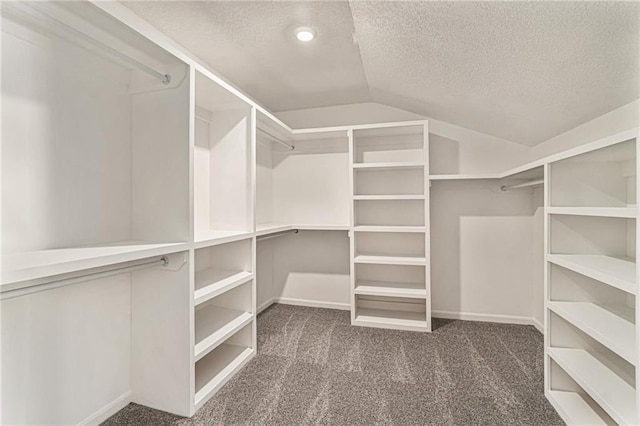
{"x": 273, "y": 138}
{"x": 164, "y": 78}
{"x": 10, "y": 294}
{"x": 278, "y": 234}
{"x": 523, "y": 185}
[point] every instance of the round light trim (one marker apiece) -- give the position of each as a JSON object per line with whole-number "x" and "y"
{"x": 305, "y": 34}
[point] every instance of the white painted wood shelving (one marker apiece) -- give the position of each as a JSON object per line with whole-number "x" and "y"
{"x": 591, "y": 333}
{"x": 390, "y": 287}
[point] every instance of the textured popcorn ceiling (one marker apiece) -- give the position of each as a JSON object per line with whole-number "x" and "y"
{"x": 523, "y": 71}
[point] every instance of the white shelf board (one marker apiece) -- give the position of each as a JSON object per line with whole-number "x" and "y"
{"x": 607, "y": 328}
{"x": 271, "y": 228}
{"x": 624, "y": 212}
{"x": 388, "y": 166}
{"x": 213, "y": 325}
{"x": 616, "y": 272}
{"x": 371, "y": 228}
{"x": 213, "y": 371}
{"x": 400, "y": 320}
{"x": 391, "y": 289}
{"x": 390, "y": 260}
{"x": 388, "y": 197}
{"x": 468, "y": 176}
{"x": 606, "y": 388}
{"x": 212, "y": 238}
{"x": 33, "y": 265}
{"x": 211, "y": 282}
{"x": 320, "y": 227}
{"x": 573, "y": 409}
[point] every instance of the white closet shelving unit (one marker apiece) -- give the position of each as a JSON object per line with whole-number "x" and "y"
{"x": 127, "y": 223}
{"x": 390, "y": 277}
{"x": 591, "y": 339}
{"x": 224, "y": 297}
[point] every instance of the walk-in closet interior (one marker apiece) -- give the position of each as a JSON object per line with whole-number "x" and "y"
{"x": 198, "y": 226}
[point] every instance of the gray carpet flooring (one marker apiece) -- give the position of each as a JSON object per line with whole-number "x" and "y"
{"x": 313, "y": 367}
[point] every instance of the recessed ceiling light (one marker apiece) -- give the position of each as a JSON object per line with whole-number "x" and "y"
{"x": 305, "y": 34}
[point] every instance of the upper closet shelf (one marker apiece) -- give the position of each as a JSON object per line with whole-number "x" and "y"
{"x": 370, "y": 228}
{"x": 387, "y": 197}
{"x": 20, "y": 267}
{"x": 616, "y": 272}
{"x": 388, "y": 166}
{"x": 623, "y": 212}
{"x": 273, "y": 228}
{"x": 212, "y": 238}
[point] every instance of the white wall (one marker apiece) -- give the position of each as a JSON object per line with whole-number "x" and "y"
{"x": 482, "y": 248}
{"x": 311, "y": 268}
{"x": 66, "y": 352}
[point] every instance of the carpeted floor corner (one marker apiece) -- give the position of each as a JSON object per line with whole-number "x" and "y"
{"x": 313, "y": 367}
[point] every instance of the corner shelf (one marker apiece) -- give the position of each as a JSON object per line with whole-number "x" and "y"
{"x": 391, "y": 289}
{"x": 612, "y": 393}
{"x": 213, "y": 325}
{"x": 607, "y": 328}
{"x": 210, "y": 283}
{"x": 619, "y": 273}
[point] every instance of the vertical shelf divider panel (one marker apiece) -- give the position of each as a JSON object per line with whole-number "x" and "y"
{"x": 223, "y": 311}
{"x": 591, "y": 285}
{"x": 389, "y": 244}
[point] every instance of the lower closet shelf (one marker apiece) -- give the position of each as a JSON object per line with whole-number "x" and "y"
{"x": 607, "y": 328}
{"x": 215, "y": 369}
{"x": 212, "y": 282}
{"x": 214, "y": 325}
{"x": 610, "y": 391}
{"x": 391, "y": 289}
{"x": 574, "y": 409}
{"x": 406, "y": 320}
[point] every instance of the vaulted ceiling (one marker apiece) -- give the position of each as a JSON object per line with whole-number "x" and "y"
{"x": 522, "y": 71}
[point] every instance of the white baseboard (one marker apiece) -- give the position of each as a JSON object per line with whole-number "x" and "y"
{"x": 108, "y": 410}
{"x": 538, "y": 325}
{"x": 312, "y": 303}
{"x": 265, "y": 305}
{"x": 466, "y": 316}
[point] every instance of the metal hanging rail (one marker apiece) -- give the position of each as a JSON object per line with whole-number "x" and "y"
{"x": 523, "y": 185}
{"x": 277, "y": 235}
{"x": 273, "y": 138}
{"x": 10, "y": 294}
{"x": 51, "y": 20}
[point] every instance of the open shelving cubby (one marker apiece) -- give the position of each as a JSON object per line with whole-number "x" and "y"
{"x": 591, "y": 334}
{"x": 223, "y": 205}
{"x": 214, "y": 369}
{"x": 390, "y": 217}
